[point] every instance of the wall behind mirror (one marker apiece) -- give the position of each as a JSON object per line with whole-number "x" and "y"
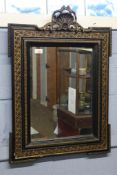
{"x": 5, "y": 90}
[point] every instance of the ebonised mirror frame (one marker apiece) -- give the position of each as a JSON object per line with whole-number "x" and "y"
{"x": 87, "y": 111}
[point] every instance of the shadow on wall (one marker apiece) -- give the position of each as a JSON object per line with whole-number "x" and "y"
{"x": 59, "y": 158}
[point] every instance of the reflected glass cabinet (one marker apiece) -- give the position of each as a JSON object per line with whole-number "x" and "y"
{"x": 75, "y": 67}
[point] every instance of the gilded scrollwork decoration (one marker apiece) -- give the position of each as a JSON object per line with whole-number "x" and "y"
{"x": 63, "y": 19}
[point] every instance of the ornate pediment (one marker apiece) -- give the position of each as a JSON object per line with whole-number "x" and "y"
{"x": 63, "y": 19}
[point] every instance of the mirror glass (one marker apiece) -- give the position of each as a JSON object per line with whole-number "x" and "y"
{"x": 61, "y": 92}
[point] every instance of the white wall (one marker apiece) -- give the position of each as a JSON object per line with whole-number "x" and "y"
{"x": 72, "y": 164}
{"x": 42, "y": 19}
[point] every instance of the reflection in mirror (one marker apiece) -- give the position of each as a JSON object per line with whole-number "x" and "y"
{"x": 61, "y": 92}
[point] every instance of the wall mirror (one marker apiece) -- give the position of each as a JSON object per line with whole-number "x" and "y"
{"x": 60, "y": 88}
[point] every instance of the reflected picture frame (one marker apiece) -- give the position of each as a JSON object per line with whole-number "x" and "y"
{"x": 64, "y": 30}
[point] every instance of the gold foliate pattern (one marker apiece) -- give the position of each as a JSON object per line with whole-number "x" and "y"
{"x": 79, "y": 36}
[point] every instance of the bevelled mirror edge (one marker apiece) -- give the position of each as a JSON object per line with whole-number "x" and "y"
{"x": 27, "y": 42}
{"x": 19, "y": 35}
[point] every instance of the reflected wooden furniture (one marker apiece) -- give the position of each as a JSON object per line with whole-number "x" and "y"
{"x": 70, "y": 124}
{"x": 75, "y": 72}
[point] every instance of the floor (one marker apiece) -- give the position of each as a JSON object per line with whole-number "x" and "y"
{"x": 42, "y": 120}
